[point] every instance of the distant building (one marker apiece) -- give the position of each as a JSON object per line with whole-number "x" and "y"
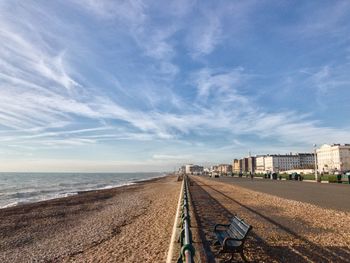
{"x": 244, "y": 165}
{"x": 193, "y": 169}
{"x": 236, "y": 168}
{"x": 307, "y": 161}
{"x": 260, "y": 164}
{"x": 251, "y": 164}
{"x": 277, "y": 163}
{"x": 214, "y": 168}
{"x": 206, "y": 171}
{"x": 188, "y": 168}
{"x": 284, "y": 162}
{"x": 224, "y": 168}
{"x": 247, "y": 165}
{"x": 182, "y": 169}
{"x": 241, "y": 165}
{"x": 333, "y": 158}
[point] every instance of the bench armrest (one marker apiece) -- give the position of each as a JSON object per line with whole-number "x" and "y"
{"x": 218, "y": 225}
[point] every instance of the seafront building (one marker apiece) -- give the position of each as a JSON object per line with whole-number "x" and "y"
{"x": 193, "y": 169}
{"x": 251, "y": 165}
{"x": 260, "y": 164}
{"x": 224, "y": 168}
{"x": 333, "y": 158}
{"x": 236, "y": 167}
{"x": 182, "y": 169}
{"x": 330, "y": 159}
{"x": 307, "y": 161}
{"x": 244, "y": 165}
{"x": 280, "y": 162}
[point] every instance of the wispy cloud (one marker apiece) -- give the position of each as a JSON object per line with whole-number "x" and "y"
{"x": 135, "y": 16}
{"x": 108, "y": 73}
{"x": 322, "y": 20}
{"x": 220, "y": 85}
{"x": 129, "y": 12}
{"x": 162, "y": 157}
{"x": 206, "y": 34}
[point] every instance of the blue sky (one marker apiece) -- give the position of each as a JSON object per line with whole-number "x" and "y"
{"x": 102, "y": 85}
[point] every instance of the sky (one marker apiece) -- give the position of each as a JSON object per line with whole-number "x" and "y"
{"x": 112, "y": 86}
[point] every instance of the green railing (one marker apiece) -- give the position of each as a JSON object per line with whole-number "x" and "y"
{"x": 187, "y": 250}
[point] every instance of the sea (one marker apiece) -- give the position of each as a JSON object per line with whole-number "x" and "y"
{"x": 23, "y": 188}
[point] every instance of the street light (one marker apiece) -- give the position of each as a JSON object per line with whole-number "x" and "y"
{"x": 315, "y": 157}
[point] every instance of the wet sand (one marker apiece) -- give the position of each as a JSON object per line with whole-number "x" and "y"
{"x": 125, "y": 224}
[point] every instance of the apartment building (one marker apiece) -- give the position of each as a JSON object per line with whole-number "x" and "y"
{"x": 236, "y": 168}
{"x": 251, "y": 164}
{"x": 280, "y": 162}
{"x": 224, "y": 168}
{"x": 333, "y": 158}
{"x": 260, "y": 164}
{"x": 244, "y": 167}
{"x": 307, "y": 161}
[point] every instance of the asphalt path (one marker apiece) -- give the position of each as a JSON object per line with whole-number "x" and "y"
{"x": 331, "y": 196}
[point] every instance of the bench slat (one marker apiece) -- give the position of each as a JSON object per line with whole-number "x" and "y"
{"x": 234, "y": 234}
{"x": 243, "y": 225}
{"x": 237, "y": 228}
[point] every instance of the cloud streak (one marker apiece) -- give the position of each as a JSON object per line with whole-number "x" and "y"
{"x": 106, "y": 73}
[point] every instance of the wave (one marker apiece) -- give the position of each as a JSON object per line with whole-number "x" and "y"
{"x": 37, "y": 198}
{"x": 65, "y": 189}
{"x": 12, "y": 204}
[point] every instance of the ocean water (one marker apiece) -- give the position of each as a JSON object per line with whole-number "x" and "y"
{"x": 21, "y": 188}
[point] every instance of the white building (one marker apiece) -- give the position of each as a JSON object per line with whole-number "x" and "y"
{"x": 260, "y": 164}
{"x": 279, "y": 162}
{"x": 193, "y": 169}
{"x": 333, "y": 158}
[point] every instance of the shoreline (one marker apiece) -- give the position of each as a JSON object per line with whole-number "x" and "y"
{"x": 11, "y": 205}
{"x": 93, "y": 225}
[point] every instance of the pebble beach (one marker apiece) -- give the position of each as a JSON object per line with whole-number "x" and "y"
{"x": 125, "y": 224}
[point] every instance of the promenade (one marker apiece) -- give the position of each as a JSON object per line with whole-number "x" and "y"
{"x": 288, "y": 225}
{"x": 332, "y": 196}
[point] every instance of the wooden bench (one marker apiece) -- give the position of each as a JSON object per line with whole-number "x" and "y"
{"x": 232, "y": 237}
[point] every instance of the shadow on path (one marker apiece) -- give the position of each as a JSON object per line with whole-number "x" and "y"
{"x": 209, "y": 211}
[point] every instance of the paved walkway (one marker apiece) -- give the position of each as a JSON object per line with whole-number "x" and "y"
{"x": 283, "y": 231}
{"x": 332, "y": 196}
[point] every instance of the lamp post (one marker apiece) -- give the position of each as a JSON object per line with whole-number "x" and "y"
{"x": 315, "y": 157}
